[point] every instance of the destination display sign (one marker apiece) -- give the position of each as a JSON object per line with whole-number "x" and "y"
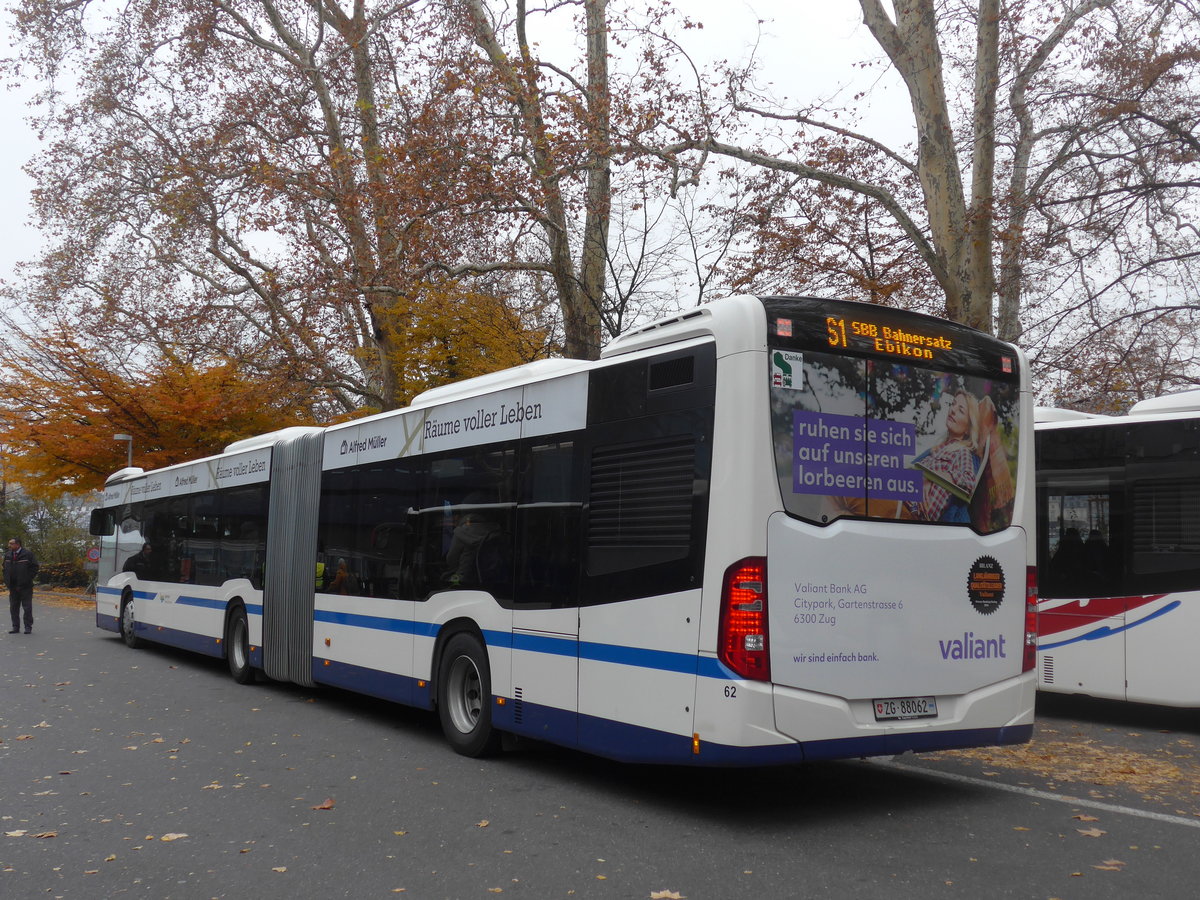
{"x": 864, "y": 329}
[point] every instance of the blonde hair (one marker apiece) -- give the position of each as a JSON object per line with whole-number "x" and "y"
{"x": 972, "y": 436}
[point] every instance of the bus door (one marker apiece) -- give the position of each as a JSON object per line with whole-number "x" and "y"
{"x": 545, "y": 615}
{"x": 1082, "y": 615}
{"x": 1163, "y": 578}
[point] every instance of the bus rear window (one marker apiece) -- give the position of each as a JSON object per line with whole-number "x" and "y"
{"x": 871, "y": 438}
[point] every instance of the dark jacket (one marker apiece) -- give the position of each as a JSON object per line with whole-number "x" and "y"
{"x": 19, "y": 568}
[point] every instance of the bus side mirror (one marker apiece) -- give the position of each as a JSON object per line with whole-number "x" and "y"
{"x": 102, "y": 523}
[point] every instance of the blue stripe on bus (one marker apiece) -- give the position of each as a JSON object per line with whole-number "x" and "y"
{"x": 117, "y": 592}
{"x": 201, "y": 602}
{"x": 918, "y": 742}
{"x": 637, "y": 744}
{"x": 541, "y": 643}
{"x": 357, "y": 620}
{"x": 604, "y": 737}
{"x": 1108, "y": 631}
{"x": 639, "y": 657}
{"x": 372, "y": 682}
{"x": 185, "y": 640}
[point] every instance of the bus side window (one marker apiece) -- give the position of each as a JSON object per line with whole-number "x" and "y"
{"x": 548, "y": 520}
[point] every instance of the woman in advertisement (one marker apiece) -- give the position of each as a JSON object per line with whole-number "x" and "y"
{"x": 966, "y": 473}
{"x": 953, "y": 466}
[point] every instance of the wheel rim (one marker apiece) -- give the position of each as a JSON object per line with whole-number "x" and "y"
{"x": 465, "y": 694}
{"x": 127, "y": 618}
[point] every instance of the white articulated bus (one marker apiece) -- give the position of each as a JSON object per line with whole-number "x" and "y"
{"x": 1119, "y": 552}
{"x": 764, "y": 531}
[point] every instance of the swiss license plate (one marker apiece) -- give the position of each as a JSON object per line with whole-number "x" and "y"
{"x": 905, "y": 708}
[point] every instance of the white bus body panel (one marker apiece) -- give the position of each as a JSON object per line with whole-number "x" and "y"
{"x": 637, "y": 661}
{"x": 874, "y": 610}
{"x": 545, "y": 659}
{"x": 1086, "y": 653}
{"x": 368, "y": 632}
{"x": 1161, "y": 662}
{"x": 1143, "y": 651}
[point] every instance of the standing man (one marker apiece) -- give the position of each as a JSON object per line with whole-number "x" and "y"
{"x": 19, "y": 569}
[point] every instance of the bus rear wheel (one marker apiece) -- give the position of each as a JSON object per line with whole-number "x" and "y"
{"x": 129, "y": 623}
{"x": 465, "y": 697}
{"x": 237, "y": 647}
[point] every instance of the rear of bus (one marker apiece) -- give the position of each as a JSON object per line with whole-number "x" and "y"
{"x": 893, "y": 607}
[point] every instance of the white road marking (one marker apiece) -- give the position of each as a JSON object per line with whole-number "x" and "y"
{"x": 1041, "y": 795}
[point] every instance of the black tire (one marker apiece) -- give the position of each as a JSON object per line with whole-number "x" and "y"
{"x": 237, "y": 646}
{"x": 464, "y": 693}
{"x": 128, "y": 622}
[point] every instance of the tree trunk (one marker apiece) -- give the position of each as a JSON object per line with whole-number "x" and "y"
{"x": 912, "y": 45}
{"x": 981, "y": 276}
{"x": 595, "y": 233}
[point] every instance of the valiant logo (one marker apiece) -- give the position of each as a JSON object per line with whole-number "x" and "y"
{"x": 375, "y": 442}
{"x": 971, "y": 647}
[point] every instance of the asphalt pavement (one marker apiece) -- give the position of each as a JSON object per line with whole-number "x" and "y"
{"x": 152, "y": 773}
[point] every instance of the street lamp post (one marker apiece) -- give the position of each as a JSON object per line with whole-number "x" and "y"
{"x": 129, "y": 450}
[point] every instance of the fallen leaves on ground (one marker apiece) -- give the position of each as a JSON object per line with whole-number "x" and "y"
{"x": 328, "y": 804}
{"x": 173, "y": 836}
{"x": 1163, "y": 776}
{"x": 1091, "y": 832}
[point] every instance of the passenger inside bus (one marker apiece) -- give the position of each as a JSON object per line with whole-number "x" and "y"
{"x": 474, "y": 527}
{"x": 344, "y": 581}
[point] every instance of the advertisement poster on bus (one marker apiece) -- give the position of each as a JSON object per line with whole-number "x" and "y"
{"x": 884, "y": 440}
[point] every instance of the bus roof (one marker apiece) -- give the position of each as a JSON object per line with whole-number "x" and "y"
{"x": 523, "y": 374}
{"x": 1055, "y": 414}
{"x": 1181, "y": 405}
{"x": 1182, "y": 401}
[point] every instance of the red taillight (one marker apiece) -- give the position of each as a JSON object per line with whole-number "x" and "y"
{"x": 1029, "y": 657}
{"x": 742, "y": 642}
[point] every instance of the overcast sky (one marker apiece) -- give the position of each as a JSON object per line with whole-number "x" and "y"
{"x": 18, "y": 240}
{"x": 807, "y": 47}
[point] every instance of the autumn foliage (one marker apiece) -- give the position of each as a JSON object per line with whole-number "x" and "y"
{"x": 63, "y": 401}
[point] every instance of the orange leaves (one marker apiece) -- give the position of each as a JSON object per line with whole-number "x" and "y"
{"x": 62, "y": 401}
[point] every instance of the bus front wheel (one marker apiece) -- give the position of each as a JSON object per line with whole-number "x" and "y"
{"x": 237, "y": 647}
{"x": 465, "y": 697}
{"x": 129, "y": 623}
